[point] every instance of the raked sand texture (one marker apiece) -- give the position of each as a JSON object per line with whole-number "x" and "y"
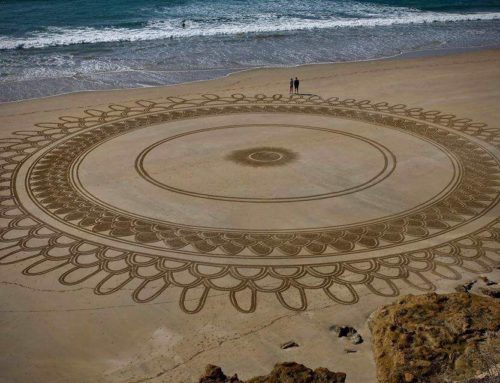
{"x": 149, "y": 232}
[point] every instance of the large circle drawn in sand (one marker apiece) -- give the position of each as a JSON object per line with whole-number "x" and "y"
{"x": 331, "y": 156}
{"x": 426, "y": 194}
{"x": 423, "y": 192}
{"x": 200, "y": 164}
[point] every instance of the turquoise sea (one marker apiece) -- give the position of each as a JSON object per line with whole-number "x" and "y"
{"x": 50, "y": 47}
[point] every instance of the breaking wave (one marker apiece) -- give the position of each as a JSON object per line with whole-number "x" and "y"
{"x": 165, "y": 29}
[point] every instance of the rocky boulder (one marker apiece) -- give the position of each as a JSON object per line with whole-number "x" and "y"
{"x": 436, "y": 338}
{"x": 288, "y": 372}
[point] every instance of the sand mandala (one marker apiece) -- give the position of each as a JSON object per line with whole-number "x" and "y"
{"x": 288, "y": 196}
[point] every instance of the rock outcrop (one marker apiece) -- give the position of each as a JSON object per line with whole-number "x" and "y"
{"x": 436, "y": 338}
{"x": 288, "y": 372}
{"x": 214, "y": 374}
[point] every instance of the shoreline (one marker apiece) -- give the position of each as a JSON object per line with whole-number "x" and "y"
{"x": 64, "y": 333}
{"x": 439, "y": 52}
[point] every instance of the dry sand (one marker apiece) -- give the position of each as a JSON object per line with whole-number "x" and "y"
{"x": 59, "y": 333}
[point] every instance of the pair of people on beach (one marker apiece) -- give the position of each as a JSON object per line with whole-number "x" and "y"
{"x": 294, "y": 84}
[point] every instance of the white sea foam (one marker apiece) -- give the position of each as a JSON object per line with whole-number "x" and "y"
{"x": 266, "y": 24}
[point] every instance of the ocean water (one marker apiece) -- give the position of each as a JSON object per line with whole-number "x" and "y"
{"x": 50, "y": 47}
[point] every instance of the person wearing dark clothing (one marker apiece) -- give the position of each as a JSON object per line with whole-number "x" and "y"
{"x": 291, "y": 85}
{"x": 296, "y": 85}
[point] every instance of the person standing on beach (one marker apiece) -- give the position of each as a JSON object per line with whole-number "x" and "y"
{"x": 296, "y": 85}
{"x": 291, "y": 85}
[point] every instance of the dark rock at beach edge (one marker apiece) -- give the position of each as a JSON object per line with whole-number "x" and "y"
{"x": 287, "y": 372}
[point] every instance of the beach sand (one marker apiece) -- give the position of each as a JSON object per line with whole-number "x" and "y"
{"x": 62, "y": 333}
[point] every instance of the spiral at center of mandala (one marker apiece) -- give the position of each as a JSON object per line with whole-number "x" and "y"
{"x": 265, "y": 156}
{"x": 262, "y": 156}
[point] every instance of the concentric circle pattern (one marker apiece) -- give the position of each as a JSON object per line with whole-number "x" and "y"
{"x": 252, "y": 195}
{"x": 262, "y": 156}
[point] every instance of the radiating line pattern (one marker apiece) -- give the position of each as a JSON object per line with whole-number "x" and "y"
{"x": 44, "y": 248}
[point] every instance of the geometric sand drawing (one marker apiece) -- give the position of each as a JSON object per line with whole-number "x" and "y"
{"x": 252, "y": 195}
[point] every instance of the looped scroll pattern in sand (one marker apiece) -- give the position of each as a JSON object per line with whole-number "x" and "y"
{"x": 27, "y": 240}
{"x": 476, "y": 193}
